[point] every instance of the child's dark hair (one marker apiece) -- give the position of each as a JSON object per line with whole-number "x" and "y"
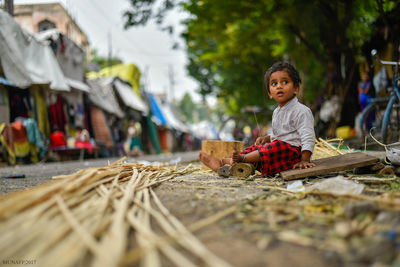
{"x": 278, "y": 66}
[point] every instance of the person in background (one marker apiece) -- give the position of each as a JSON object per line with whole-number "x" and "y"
{"x": 135, "y": 145}
{"x": 119, "y": 137}
{"x": 364, "y": 90}
{"x": 188, "y": 141}
{"x": 57, "y": 138}
{"x": 364, "y": 97}
{"x": 82, "y": 139}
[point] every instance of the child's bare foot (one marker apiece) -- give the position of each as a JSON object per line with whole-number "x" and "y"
{"x": 210, "y": 161}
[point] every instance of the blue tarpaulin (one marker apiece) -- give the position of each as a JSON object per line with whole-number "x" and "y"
{"x": 5, "y": 82}
{"x": 156, "y": 111}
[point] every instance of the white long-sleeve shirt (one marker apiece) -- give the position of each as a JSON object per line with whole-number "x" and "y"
{"x": 294, "y": 123}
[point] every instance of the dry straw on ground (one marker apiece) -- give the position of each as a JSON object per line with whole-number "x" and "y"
{"x": 99, "y": 217}
{"x": 324, "y": 148}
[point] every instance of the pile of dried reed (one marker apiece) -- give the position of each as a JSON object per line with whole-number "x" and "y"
{"x": 324, "y": 148}
{"x": 99, "y": 217}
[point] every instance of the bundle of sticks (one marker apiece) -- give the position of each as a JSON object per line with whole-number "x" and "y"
{"x": 324, "y": 148}
{"x": 99, "y": 217}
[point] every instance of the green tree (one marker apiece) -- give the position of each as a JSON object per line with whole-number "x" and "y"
{"x": 103, "y": 61}
{"x": 191, "y": 111}
{"x": 187, "y": 107}
{"x": 230, "y": 44}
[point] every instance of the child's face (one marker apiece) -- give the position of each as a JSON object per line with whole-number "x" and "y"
{"x": 281, "y": 87}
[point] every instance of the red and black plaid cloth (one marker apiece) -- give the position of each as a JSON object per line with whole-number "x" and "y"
{"x": 276, "y": 157}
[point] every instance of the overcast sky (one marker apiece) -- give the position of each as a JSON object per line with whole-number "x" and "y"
{"x": 148, "y": 47}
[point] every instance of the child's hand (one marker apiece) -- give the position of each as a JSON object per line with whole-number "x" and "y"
{"x": 303, "y": 165}
{"x": 262, "y": 140}
{"x": 236, "y": 157}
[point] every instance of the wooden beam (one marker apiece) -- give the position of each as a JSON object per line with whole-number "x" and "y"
{"x": 332, "y": 164}
{"x": 221, "y": 149}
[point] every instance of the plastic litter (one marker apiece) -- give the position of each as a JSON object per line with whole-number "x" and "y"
{"x": 13, "y": 176}
{"x": 296, "y": 186}
{"x": 337, "y": 185}
{"x": 144, "y": 162}
{"x": 393, "y": 153}
{"x": 392, "y": 150}
{"x": 175, "y": 160}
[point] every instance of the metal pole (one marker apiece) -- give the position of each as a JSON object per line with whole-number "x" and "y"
{"x": 171, "y": 76}
{"x": 9, "y": 7}
{"x": 109, "y": 50}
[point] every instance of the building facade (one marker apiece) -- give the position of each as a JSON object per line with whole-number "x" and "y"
{"x": 40, "y": 17}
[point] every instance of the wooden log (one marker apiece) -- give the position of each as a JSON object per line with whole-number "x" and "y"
{"x": 221, "y": 149}
{"x": 224, "y": 171}
{"x": 242, "y": 170}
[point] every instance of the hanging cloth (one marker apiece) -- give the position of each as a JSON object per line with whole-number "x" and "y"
{"x": 57, "y": 114}
{"x": 42, "y": 116}
{"x": 21, "y": 142}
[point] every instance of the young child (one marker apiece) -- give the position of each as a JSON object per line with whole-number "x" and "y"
{"x": 291, "y": 141}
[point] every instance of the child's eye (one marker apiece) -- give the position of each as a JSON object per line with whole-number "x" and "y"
{"x": 274, "y": 83}
{"x": 285, "y": 82}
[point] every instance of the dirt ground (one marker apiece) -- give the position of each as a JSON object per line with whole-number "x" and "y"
{"x": 270, "y": 227}
{"x": 264, "y": 224}
{"x": 194, "y": 197}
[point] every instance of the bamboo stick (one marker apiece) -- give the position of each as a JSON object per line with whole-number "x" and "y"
{"x": 188, "y": 238}
{"x": 89, "y": 241}
{"x": 171, "y": 253}
{"x": 113, "y": 243}
{"x": 86, "y": 214}
{"x": 395, "y": 203}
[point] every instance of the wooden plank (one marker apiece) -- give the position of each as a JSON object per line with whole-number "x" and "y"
{"x": 332, "y": 164}
{"x": 220, "y": 149}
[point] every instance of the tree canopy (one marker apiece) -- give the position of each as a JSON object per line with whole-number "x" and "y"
{"x": 102, "y": 61}
{"x": 230, "y": 44}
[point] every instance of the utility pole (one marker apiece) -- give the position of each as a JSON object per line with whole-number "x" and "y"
{"x": 9, "y": 7}
{"x": 145, "y": 77}
{"x": 109, "y": 50}
{"x": 171, "y": 77}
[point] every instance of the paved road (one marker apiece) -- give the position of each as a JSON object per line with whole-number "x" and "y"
{"x": 36, "y": 174}
{"x": 40, "y": 173}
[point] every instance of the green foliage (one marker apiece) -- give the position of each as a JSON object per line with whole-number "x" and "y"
{"x": 191, "y": 111}
{"x": 187, "y": 107}
{"x": 226, "y": 52}
{"x": 231, "y": 44}
{"x": 203, "y": 111}
{"x": 395, "y": 186}
{"x": 102, "y": 61}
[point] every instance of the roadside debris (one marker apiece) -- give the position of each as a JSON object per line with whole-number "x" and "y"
{"x": 296, "y": 186}
{"x": 99, "y": 217}
{"x": 337, "y": 185}
{"x": 14, "y": 175}
{"x": 352, "y": 219}
{"x": 327, "y": 165}
{"x": 240, "y": 170}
